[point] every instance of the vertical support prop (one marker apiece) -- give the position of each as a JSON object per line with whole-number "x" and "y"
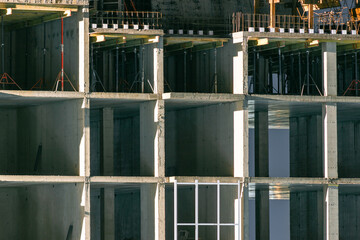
{"x": 185, "y": 72}
{"x": 62, "y": 54}
{"x": 215, "y": 72}
{"x": 117, "y": 70}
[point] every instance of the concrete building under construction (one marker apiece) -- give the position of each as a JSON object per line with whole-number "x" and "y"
{"x": 181, "y": 119}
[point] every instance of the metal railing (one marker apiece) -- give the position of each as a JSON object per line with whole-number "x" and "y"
{"x": 217, "y": 26}
{"x": 127, "y": 19}
{"x": 323, "y": 23}
{"x": 261, "y": 22}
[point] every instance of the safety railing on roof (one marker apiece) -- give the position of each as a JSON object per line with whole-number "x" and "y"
{"x": 261, "y": 22}
{"x": 197, "y": 25}
{"x": 327, "y": 22}
{"x": 126, "y": 19}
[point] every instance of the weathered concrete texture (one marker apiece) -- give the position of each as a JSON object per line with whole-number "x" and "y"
{"x": 43, "y": 140}
{"x": 126, "y": 213}
{"x": 44, "y": 211}
{"x": 306, "y": 146}
{"x": 349, "y": 216}
{"x": 330, "y": 140}
{"x": 152, "y": 145}
{"x": 329, "y": 69}
{"x": 199, "y": 141}
{"x": 306, "y": 215}
{"x": 240, "y": 65}
{"x": 348, "y": 145}
{"x": 332, "y": 212}
{"x": 126, "y": 150}
{"x": 30, "y": 48}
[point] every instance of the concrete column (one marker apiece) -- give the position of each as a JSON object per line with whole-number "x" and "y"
{"x": 262, "y": 170}
{"x": 330, "y": 152}
{"x": 84, "y": 148}
{"x": 241, "y": 140}
{"x": 84, "y": 166}
{"x": 84, "y": 63}
{"x": 108, "y": 195}
{"x": 152, "y": 139}
{"x": 240, "y": 64}
{"x": 331, "y": 212}
{"x": 86, "y": 226}
{"x": 159, "y": 67}
{"x": 261, "y": 144}
{"x": 152, "y": 211}
{"x": 329, "y": 69}
{"x": 262, "y": 224}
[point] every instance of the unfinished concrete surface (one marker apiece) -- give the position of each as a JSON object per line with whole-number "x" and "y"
{"x": 177, "y": 126}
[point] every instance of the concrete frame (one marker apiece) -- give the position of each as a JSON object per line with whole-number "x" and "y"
{"x": 153, "y": 139}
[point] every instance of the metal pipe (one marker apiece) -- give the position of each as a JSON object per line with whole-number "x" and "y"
{"x": 2, "y": 45}
{"x": 215, "y": 72}
{"x": 271, "y": 87}
{"x": 142, "y": 70}
{"x": 308, "y": 72}
{"x": 117, "y": 70}
{"x": 280, "y": 85}
{"x": 356, "y": 74}
{"x": 254, "y": 74}
{"x": 44, "y": 53}
{"x": 135, "y": 65}
{"x": 62, "y": 54}
{"x": 185, "y": 72}
{"x": 123, "y": 60}
{"x": 344, "y": 72}
{"x": 299, "y": 68}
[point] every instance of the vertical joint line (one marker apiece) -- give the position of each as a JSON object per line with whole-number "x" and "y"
{"x": 175, "y": 210}
{"x": 218, "y": 210}
{"x": 240, "y": 193}
{"x": 196, "y": 210}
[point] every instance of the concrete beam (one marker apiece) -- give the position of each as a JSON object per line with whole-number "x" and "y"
{"x": 329, "y": 68}
{"x": 330, "y": 152}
